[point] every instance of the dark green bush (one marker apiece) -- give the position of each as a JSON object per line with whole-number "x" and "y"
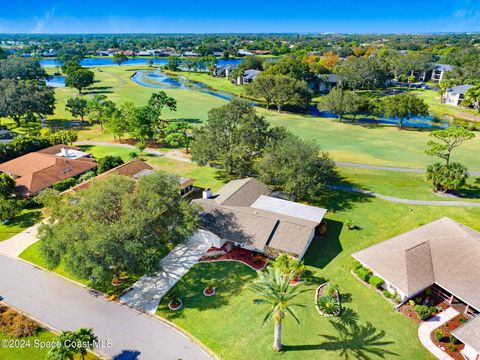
{"x": 376, "y": 281}
{"x": 356, "y": 265}
{"x": 422, "y": 311}
{"x": 363, "y": 273}
{"x": 438, "y": 334}
{"x": 64, "y": 184}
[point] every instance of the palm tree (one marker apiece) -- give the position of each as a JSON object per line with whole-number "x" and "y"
{"x": 289, "y": 265}
{"x": 63, "y": 351}
{"x": 86, "y": 337}
{"x": 273, "y": 290}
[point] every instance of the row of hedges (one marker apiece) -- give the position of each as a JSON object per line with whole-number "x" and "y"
{"x": 14, "y": 324}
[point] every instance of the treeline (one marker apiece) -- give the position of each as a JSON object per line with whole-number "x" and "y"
{"x": 277, "y": 44}
{"x": 24, "y": 144}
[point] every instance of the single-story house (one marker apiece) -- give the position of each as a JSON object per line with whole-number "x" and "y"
{"x": 247, "y": 77}
{"x": 243, "y": 52}
{"x": 37, "y": 171}
{"x": 444, "y": 254}
{"x": 134, "y": 169}
{"x": 223, "y": 70}
{"x": 469, "y": 334}
{"x": 327, "y": 82}
{"x": 247, "y": 213}
{"x": 455, "y": 95}
{"x": 439, "y": 71}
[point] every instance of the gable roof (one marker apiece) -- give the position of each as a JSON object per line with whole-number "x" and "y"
{"x": 242, "y": 192}
{"x": 460, "y": 89}
{"x": 443, "y": 67}
{"x": 443, "y": 252}
{"x": 39, "y": 170}
{"x": 469, "y": 333}
{"x": 134, "y": 168}
{"x": 244, "y": 213}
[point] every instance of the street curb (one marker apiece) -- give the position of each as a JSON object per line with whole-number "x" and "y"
{"x": 173, "y": 326}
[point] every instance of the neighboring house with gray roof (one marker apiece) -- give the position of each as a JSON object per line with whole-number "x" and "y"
{"x": 245, "y": 213}
{"x": 469, "y": 334}
{"x": 247, "y": 77}
{"x": 326, "y": 82}
{"x": 442, "y": 253}
{"x": 223, "y": 70}
{"x": 439, "y": 70}
{"x": 455, "y": 95}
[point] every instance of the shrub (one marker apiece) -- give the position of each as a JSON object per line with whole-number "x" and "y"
{"x": 328, "y": 304}
{"x": 422, "y": 311}
{"x": 438, "y": 334}
{"x": 433, "y": 309}
{"x": 356, "y": 265}
{"x": 15, "y": 324}
{"x": 363, "y": 273}
{"x": 376, "y": 281}
{"x": 451, "y": 347}
{"x": 64, "y": 184}
{"x": 331, "y": 289}
{"x": 411, "y": 302}
{"x": 428, "y": 292}
{"x": 9, "y": 208}
{"x": 419, "y": 300}
{"x": 387, "y": 294}
{"x": 452, "y": 338}
{"x": 462, "y": 320}
{"x": 108, "y": 162}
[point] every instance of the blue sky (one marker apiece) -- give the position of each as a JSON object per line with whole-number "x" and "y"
{"x": 160, "y": 16}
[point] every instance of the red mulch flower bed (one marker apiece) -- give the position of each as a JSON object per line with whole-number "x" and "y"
{"x": 250, "y": 258}
{"x": 447, "y": 328}
{"x": 434, "y": 300}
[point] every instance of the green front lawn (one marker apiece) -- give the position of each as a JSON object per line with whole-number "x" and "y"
{"x": 408, "y": 185}
{"x": 27, "y": 218}
{"x": 230, "y": 324}
{"x": 27, "y": 352}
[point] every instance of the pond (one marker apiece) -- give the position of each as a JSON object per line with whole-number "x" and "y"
{"x": 55, "y": 81}
{"x": 107, "y": 61}
{"x": 159, "y": 80}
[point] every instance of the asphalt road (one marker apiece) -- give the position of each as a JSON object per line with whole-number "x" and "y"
{"x": 65, "y": 305}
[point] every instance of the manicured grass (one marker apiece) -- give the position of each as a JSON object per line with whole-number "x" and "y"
{"x": 406, "y": 185}
{"x": 33, "y": 255}
{"x": 230, "y": 324}
{"x": 376, "y": 145}
{"x": 23, "y": 221}
{"x": 101, "y": 151}
{"x": 27, "y": 352}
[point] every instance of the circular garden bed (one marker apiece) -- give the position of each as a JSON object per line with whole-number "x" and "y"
{"x": 209, "y": 291}
{"x": 327, "y": 300}
{"x": 175, "y": 304}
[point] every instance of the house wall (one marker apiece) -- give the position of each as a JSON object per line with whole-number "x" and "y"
{"x": 388, "y": 285}
{"x": 312, "y": 236}
{"x": 470, "y": 353}
{"x": 451, "y": 99}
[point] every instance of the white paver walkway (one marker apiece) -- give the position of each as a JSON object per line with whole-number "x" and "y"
{"x": 149, "y": 290}
{"x": 426, "y": 328}
{"x": 15, "y": 245}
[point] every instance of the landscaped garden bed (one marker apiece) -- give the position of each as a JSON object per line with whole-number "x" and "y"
{"x": 423, "y": 306}
{"x": 209, "y": 291}
{"x": 327, "y": 300}
{"x": 229, "y": 252}
{"x": 443, "y": 338}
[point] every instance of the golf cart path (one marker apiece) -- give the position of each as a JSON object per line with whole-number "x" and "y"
{"x": 404, "y": 201}
{"x": 338, "y": 163}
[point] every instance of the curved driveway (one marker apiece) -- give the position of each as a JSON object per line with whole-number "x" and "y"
{"x": 65, "y": 305}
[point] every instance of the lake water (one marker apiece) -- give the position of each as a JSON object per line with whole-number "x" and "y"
{"x": 107, "y": 61}
{"x": 56, "y": 81}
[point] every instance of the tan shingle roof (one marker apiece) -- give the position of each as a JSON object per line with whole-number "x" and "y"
{"x": 231, "y": 215}
{"x": 242, "y": 192}
{"x": 469, "y": 333}
{"x": 130, "y": 168}
{"x": 443, "y": 252}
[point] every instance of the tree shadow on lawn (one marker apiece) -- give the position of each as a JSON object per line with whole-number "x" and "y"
{"x": 325, "y": 248}
{"x": 228, "y": 278}
{"x": 353, "y": 341}
{"x": 97, "y": 90}
{"x": 189, "y": 120}
{"x": 24, "y": 220}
